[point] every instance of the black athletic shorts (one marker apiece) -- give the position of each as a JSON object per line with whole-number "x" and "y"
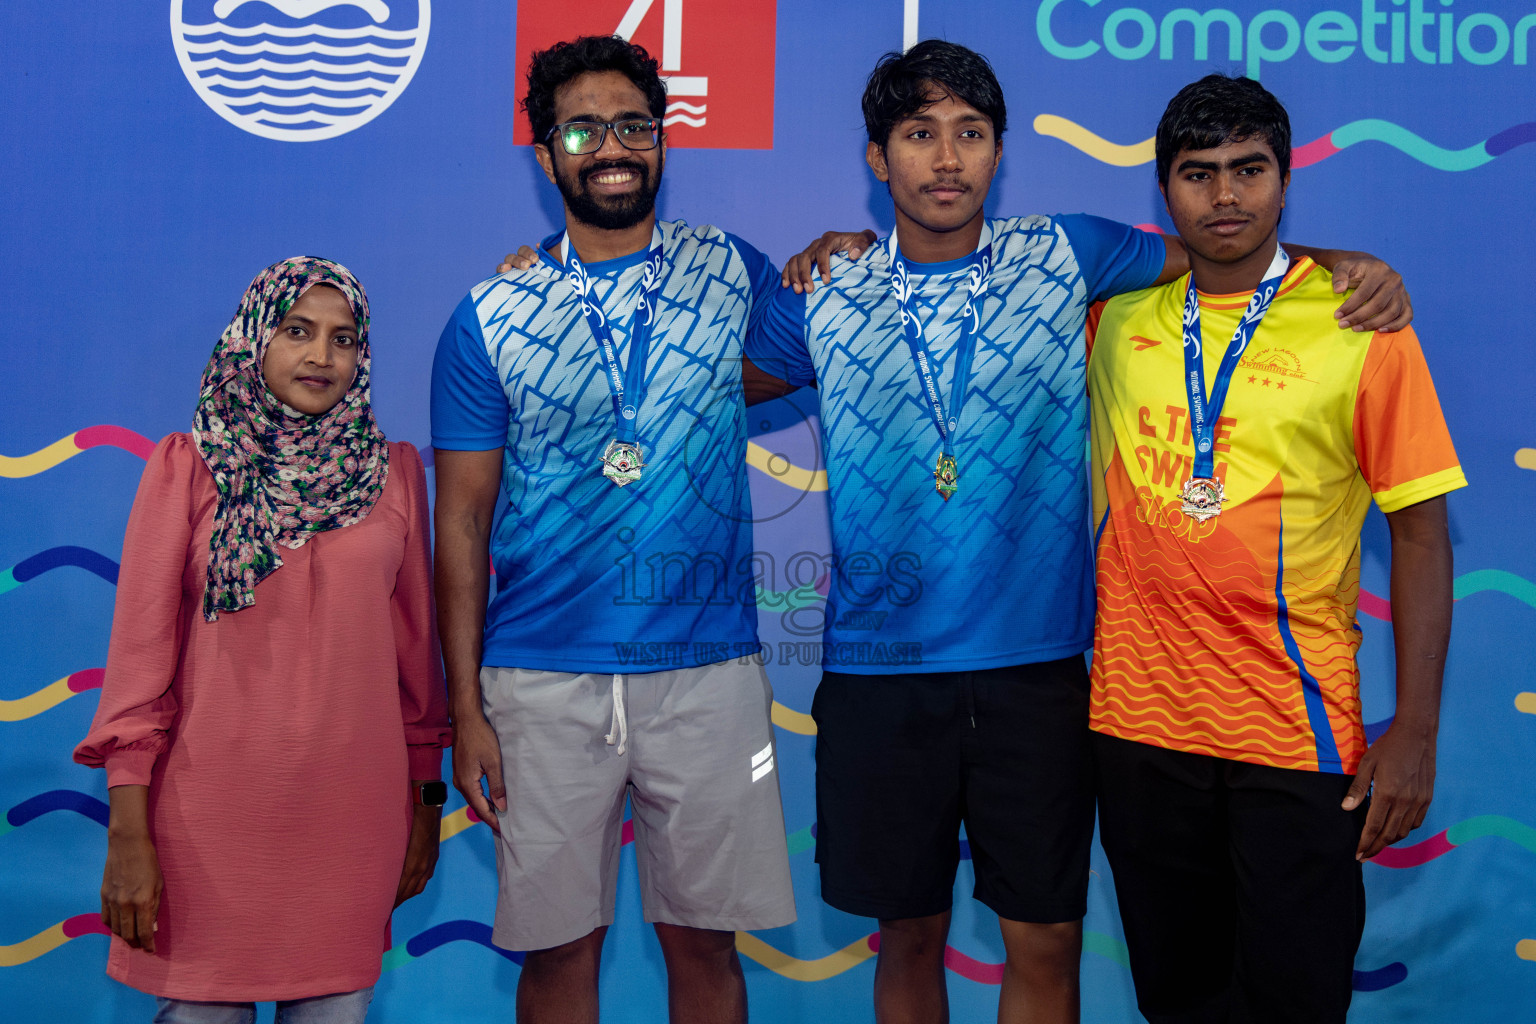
{"x": 1238, "y": 886}
{"x": 903, "y": 760}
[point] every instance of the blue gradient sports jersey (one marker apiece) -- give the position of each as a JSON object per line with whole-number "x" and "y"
{"x": 592, "y": 577}
{"x": 1001, "y": 574}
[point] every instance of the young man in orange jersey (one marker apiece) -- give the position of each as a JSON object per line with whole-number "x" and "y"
{"x": 1231, "y": 479}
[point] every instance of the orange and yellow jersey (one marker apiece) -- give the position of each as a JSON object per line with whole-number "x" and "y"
{"x": 1236, "y": 637}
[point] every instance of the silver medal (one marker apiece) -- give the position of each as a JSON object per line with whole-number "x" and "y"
{"x": 622, "y": 462}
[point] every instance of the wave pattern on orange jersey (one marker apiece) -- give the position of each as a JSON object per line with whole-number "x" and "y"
{"x": 1206, "y": 687}
{"x": 1191, "y": 724}
{"x": 1325, "y": 636}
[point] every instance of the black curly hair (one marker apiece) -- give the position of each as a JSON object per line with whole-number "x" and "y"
{"x": 552, "y": 68}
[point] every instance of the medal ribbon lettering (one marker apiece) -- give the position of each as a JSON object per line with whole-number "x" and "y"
{"x": 946, "y": 474}
{"x": 1203, "y": 493}
{"x": 623, "y": 460}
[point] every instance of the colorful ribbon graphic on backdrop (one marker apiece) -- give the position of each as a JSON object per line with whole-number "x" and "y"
{"x": 800, "y": 841}
{"x": 52, "y": 695}
{"x": 782, "y": 469}
{"x": 749, "y": 945}
{"x": 29, "y": 569}
{"x": 1336, "y": 141}
{"x": 70, "y": 445}
{"x": 771, "y": 464}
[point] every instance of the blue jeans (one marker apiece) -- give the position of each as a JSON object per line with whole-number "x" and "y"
{"x": 343, "y": 1008}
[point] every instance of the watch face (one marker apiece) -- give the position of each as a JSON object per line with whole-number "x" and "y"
{"x": 434, "y": 794}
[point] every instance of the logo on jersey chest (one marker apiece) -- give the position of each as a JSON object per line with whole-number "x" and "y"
{"x": 1271, "y": 367}
{"x": 716, "y": 60}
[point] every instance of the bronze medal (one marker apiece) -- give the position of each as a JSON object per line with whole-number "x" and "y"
{"x": 1203, "y": 498}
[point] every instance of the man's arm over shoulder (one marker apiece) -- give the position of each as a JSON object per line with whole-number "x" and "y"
{"x": 762, "y": 276}
{"x": 1116, "y": 258}
{"x": 1378, "y": 301}
{"x": 777, "y": 350}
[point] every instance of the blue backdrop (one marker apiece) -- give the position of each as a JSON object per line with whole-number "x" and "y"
{"x": 155, "y": 161}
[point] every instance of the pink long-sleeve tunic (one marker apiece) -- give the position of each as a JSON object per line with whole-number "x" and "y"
{"x": 277, "y": 743}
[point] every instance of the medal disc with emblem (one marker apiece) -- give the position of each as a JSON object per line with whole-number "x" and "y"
{"x": 946, "y": 477}
{"x": 622, "y": 462}
{"x": 1203, "y": 498}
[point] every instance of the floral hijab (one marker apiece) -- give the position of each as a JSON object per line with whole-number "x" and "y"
{"x": 282, "y": 476}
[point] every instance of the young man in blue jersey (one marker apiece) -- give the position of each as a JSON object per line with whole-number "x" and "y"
{"x": 953, "y": 415}
{"x": 618, "y": 656}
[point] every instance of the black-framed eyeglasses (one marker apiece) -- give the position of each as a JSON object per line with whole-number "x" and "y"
{"x": 582, "y": 137}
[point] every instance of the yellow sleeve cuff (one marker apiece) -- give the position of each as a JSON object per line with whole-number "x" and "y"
{"x": 1425, "y": 487}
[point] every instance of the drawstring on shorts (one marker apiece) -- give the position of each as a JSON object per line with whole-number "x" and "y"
{"x": 618, "y": 735}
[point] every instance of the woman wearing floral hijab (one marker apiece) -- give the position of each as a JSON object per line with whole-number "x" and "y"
{"x": 272, "y": 717}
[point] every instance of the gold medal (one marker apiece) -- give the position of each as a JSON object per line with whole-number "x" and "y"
{"x": 946, "y": 476}
{"x": 1203, "y": 498}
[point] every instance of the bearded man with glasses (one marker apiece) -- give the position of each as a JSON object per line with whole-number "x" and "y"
{"x": 608, "y": 209}
{"x": 619, "y": 656}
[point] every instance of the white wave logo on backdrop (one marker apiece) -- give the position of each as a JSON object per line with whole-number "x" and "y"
{"x": 299, "y": 70}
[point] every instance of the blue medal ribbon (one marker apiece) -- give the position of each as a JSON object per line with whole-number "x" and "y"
{"x": 1203, "y": 411}
{"x": 903, "y": 288}
{"x": 626, "y": 385}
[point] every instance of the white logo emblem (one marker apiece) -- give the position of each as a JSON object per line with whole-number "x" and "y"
{"x": 299, "y": 70}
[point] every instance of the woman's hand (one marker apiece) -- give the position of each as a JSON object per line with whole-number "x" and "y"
{"x": 131, "y": 883}
{"x": 420, "y": 851}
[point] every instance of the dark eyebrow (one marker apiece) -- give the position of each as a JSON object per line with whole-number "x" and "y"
{"x": 1256, "y": 157}
{"x": 926, "y": 118}
{"x": 623, "y": 115}
{"x": 309, "y": 322}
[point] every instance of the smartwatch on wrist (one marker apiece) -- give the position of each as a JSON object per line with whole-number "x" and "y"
{"x": 431, "y": 794}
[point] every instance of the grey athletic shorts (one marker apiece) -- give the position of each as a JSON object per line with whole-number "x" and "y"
{"x": 693, "y": 750}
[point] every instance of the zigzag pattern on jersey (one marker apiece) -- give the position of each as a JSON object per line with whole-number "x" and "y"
{"x": 1203, "y": 685}
{"x": 692, "y": 501}
{"x": 1019, "y": 438}
{"x": 1022, "y": 507}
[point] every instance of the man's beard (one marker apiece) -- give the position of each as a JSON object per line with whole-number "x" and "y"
{"x": 610, "y": 213}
